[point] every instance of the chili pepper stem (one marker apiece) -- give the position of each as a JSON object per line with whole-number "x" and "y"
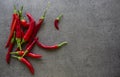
{"x": 61, "y": 44}
{"x": 44, "y": 14}
{"x": 18, "y": 43}
{"x": 15, "y": 11}
{"x": 20, "y": 12}
{"x": 14, "y": 53}
{"x": 16, "y": 57}
{"x": 59, "y": 17}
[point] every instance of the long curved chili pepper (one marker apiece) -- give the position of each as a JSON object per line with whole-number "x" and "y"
{"x": 10, "y": 49}
{"x": 50, "y": 47}
{"x": 12, "y": 27}
{"x": 56, "y": 21}
{"x": 37, "y": 27}
{"x": 26, "y": 62}
{"x": 32, "y": 55}
{"x": 18, "y": 33}
{"x": 30, "y": 47}
{"x": 29, "y": 32}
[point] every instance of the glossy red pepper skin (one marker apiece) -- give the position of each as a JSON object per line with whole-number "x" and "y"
{"x": 13, "y": 19}
{"x": 50, "y": 47}
{"x": 22, "y": 33}
{"x": 10, "y": 50}
{"x": 18, "y": 28}
{"x": 56, "y": 24}
{"x": 11, "y": 32}
{"x": 56, "y": 21}
{"x": 8, "y": 53}
{"x": 26, "y": 62}
{"x": 29, "y": 32}
{"x": 24, "y": 23}
{"x": 32, "y": 55}
{"x": 30, "y": 47}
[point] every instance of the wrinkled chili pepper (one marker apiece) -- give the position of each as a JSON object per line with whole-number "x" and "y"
{"x": 56, "y": 21}
{"x": 30, "y": 47}
{"x": 18, "y": 33}
{"x": 26, "y": 62}
{"x": 50, "y": 47}
{"x": 12, "y": 29}
{"x": 32, "y": 55}
{"x": 29, "y": 32}
{"x": 10, "y": 49}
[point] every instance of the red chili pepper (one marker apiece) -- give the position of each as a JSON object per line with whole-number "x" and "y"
{"x": 26, "y": 62}
{"x": 22, "y": 32}
{"x": 32, "y": 55}
{"x": 10, "y": 49}
{"x": 30, "y": 47}
{"x": 37, "y": 27}
{"x": 57, "y": 21}
{"x": 12, "y": 27}
{"x": 29, "y": 32}
{"x": 50, "y": 47}
{"x": 18, "y": 33}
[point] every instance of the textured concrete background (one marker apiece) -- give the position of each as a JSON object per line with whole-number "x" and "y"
{"x": 92, "y": 28}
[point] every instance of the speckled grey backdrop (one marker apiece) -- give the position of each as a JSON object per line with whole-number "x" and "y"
{"x": 92, "y": 28}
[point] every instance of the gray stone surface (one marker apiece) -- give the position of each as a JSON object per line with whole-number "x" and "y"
{"x": 91, "y": 27}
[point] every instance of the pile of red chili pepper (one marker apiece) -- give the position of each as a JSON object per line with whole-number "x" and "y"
{"x": 24, "y": 33}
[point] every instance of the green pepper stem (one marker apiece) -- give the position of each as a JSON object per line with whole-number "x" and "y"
{"x": 20, "y": 12}
{"x": 15, "y": 10}
{"x": 63, "y": 43}
{"x": 59, "y": 17}
{"x": 18, "y": 43}
{"x": 44, "y": 14}
{"x": 15, "y": 57}
{"x": 14, "y": 53}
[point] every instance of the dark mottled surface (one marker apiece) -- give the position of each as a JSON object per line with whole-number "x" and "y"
{"x": 92, "y": 28}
